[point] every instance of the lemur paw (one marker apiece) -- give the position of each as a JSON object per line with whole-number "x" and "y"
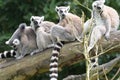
{"x": 32, "y": 53}
{"x": 107, "y": 37}
{"x": 20, "y": 57}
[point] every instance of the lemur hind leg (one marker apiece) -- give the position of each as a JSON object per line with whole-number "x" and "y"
{"x": 97, "y": 33}
{"x": 59, "y": 31}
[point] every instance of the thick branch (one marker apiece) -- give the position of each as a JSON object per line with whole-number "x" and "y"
{"x": 107, "y": 68}
{"x": 30, "y": 65}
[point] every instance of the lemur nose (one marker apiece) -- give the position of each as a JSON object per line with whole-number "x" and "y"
{"x": 94, "y": 5}
{"x": 63, "y": 15}
{"x": 98, "y": 7}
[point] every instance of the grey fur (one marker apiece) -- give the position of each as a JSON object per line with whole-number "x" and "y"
{"x": 26, "y": 38}
{"x": 68, "y": 29}
{"x": 106, "y": 20}
{"x": 42, "y": 30}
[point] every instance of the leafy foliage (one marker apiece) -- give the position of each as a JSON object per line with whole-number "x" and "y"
{"x": 14, "y": 12}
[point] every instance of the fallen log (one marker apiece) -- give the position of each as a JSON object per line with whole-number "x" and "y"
{"x": 71, "y": 53}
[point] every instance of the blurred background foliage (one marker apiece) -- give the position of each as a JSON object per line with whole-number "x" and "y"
{"x": 14, "y": 12}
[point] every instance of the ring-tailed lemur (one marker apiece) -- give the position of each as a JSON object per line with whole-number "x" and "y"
{"x": 106, "y": 20}
{"x": 42, "y": 29}
{"x": 23, "y": 42}
{"x": 68, "y": 29}
{"x": 104, "y": 11}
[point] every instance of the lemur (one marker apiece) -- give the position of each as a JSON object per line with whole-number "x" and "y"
{"x": 68, "y": 29}
{"x": 104, "y": 12}
{"x": 106, "y": 20}
{"x": 42, "y": 30}
{"x": 23, "y": 42}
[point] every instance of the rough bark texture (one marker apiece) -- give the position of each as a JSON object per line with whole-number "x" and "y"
{"x": 71, "y": 53}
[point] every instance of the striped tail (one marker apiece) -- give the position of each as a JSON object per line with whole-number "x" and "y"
{"x": 54, "y": 60}
{"x": 94, "y": 62}
{"x": 8, "y": 54}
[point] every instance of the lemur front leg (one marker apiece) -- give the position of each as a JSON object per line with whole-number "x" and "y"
{"x": 108, "y": 28}
{"x": 97, "y": 33}
{"x": 23, "y": 52}
{"x": 35, "y": 51}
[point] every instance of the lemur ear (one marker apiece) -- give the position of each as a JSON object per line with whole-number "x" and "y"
{"x": 103, "y": 1}
{"x": 56, "y": 8}
{"x": 32, "y": 18}
{"x": 42, "y": 18}
{"x": 22, "y": 26}
{"x": 68, "y": 8}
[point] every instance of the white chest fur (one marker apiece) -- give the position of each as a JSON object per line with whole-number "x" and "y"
{"x": 98, "y": 19}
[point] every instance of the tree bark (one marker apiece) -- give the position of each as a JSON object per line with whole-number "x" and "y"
{"x": 71, "y": 53}
{"x": 107, "y": 67}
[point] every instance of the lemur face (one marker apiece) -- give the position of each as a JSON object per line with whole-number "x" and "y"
{"x": 62, "y": 11}
{"x": 36, "y": 21}
{"x": 15, "y": 40}
{"x": 98, "y": 5}
{"x": 14, "y": 44}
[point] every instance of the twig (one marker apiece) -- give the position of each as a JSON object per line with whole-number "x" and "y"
{"x": 116, "y": 74}
{"x": 105, "y": 74}
{"x": 107, "y": 68}
{"x": 82, "y": 5}
{"x": 106, "y": 51}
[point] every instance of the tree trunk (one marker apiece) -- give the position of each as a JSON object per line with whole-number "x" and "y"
{"x": 71, "y": 53}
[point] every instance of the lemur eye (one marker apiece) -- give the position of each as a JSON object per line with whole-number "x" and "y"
{"x": 95, "y": 6}
{"x": 35, "y": 22}
{"x": 98, "y": 7}
{"x": 40, "y": 22}
{"x": 61, "y": 11}
{"x": 65, "y": 11}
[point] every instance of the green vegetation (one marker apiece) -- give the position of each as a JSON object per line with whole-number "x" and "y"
{"x": 14, "y": 12}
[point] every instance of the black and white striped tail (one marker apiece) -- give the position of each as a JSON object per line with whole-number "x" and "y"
{"x": 8, "y": 54}
{"x": 94, "y": 62}
{"x": 54, "y": 61}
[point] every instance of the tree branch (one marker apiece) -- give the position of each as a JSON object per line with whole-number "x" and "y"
{"x": 107, "y": 68}
{"x": 39, "y": 63}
